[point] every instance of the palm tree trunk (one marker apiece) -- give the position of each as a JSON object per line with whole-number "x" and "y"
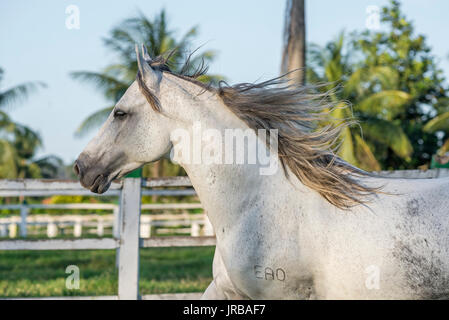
{"x": 294, "y": 53}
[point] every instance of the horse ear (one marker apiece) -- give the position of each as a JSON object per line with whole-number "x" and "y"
{"x": 148, "y": 74}
{"x": 146, "y": 56}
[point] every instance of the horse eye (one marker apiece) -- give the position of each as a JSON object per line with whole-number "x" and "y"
{"x": 119, "y": 114}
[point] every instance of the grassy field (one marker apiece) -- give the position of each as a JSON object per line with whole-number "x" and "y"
{"x": 162, "y": 270}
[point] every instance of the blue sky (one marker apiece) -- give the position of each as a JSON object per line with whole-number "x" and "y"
{"x": 36, "y": 45}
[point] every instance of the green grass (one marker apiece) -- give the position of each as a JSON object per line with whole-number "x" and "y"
{"x": 162, "y": 270}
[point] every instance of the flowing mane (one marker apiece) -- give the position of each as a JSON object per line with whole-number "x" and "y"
{"x": 294, "y": 111}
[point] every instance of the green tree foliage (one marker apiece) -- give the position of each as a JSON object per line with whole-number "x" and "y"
{"x": 374, "y": 109}
{"x": 418, "y": 74}
{"x": 391, "y": 80}
{"x": 19, "y": 143}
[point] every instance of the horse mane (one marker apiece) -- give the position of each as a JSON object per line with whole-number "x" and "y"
{"x": 294, "y": 110}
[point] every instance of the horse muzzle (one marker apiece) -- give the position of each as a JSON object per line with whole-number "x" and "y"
{"x": 91, "y": 175}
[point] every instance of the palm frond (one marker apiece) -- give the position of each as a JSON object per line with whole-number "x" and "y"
{"x": 50, "y": 167}
{"x": 390, "y": 134}
{"x": 26, "y": 141}
{"x": 365, "y": 157}
{"x": 93, "y": 121}
{"x": 346, "y": 149}
{"x": 8, "y": 159}
{"x": 113, "y": 88}
{"x": 19, "y": 93}
{"x": 440, "y": 122}
{"x": 386, "y": 76}
{"x": 385, "y": 104}
{"x": 101, "y": 80}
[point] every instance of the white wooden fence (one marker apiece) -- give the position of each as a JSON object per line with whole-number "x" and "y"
{"x": 150, "y": 224}
{"x": 126, "y": 236}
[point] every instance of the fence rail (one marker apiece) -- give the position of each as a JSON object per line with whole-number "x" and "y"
{"x": 60, "y": 244}
{"x": 161, "y": 223}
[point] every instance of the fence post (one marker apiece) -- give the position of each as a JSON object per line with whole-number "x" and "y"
{"x": 128, "y": 280}
{"x": 116, "y": 230}
{"x": 116, "y": 223}
{"x": 100, "y": 227}
{"x": 78, "y": 228}
{"x": 3, "y": 230}
{"x": 195, "y": 229}
{"x": 23, "y": 219}
{"x": 12, "y": 228}
{"x": 145, "y": 227}
{"x": 52, "y": 229}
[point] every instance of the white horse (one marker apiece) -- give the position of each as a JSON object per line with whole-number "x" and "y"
{"x": 317, "y": 228}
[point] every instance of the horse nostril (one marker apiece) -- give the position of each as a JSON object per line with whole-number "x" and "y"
{"x": 76, "y": 168}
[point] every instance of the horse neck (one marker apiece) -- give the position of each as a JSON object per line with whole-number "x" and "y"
{"x": 228, "y": 191}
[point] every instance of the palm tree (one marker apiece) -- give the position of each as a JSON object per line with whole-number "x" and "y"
{"x": 18, "y": 143}
{"x": 117, "y": 77}
{"x": 374, "y": 100}
{"x": 17, "y": 93}
{"x": 294, "y": 52}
